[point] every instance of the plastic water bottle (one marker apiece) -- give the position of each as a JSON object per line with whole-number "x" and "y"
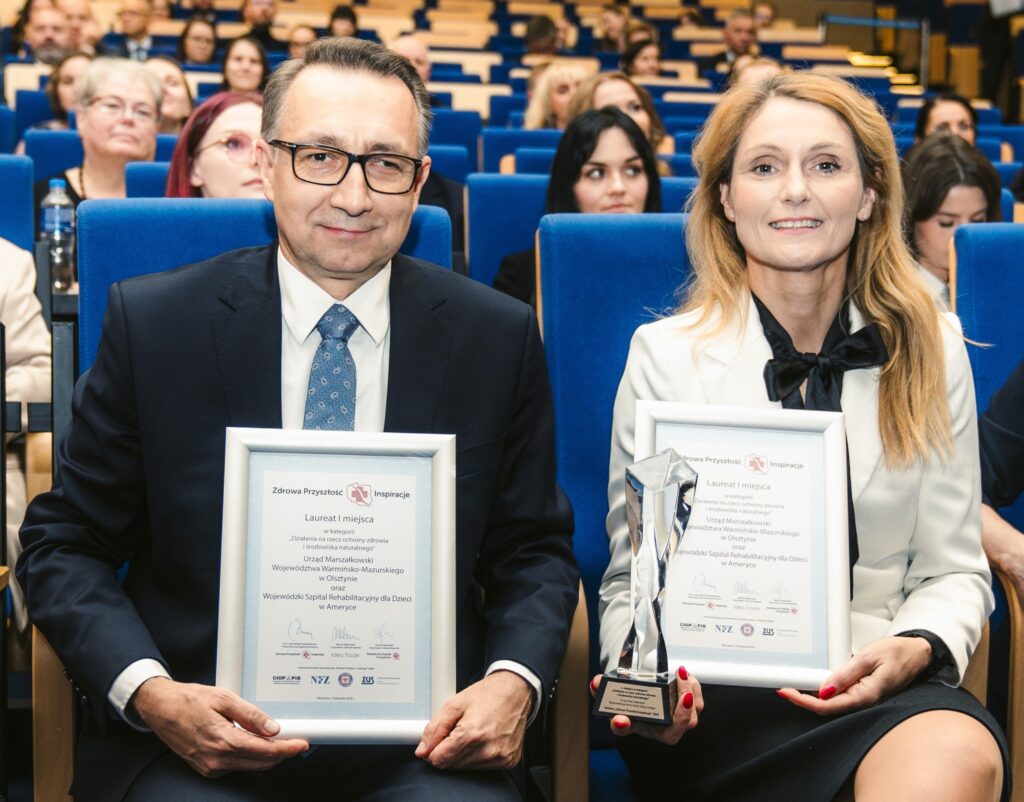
{"x": 57, "y": 215}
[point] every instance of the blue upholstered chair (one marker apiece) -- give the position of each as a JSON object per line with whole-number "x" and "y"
{"x": 179, "y": 231}
{"x": 7, "y": 140}
{"x": 586, "y": 264}
{"x": 451, "y": 161}
{"x": 498, "y": 142}
{"x": 457, "y": 128}
{"x": 502, "y": 105}
{"x": 1007, "y": 172}
{"x": 535, "y": 160}
{"x": 55, "y": 151}
{"x": 31, "y": 106}
{"x": 987, "y": 290}
{"x": 16, "y": 219}
{"x": 146, "y": 179}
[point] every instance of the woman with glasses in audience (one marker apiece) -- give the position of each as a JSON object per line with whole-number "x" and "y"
{"x": 245, "y": 66}
{"x": 947, "y": 114}
{"x": 552, "y": 94}
{"x": 603, "y": 165}
{"x": 178, "y": 103}
{"x": 197, "y": 44}
{"x": 803, "y": 296}
{"x": 948, "y": 183}
{"x": 118, "y": 115}
{"x": 619, "y": 90}
{"x": 216, "y": 152}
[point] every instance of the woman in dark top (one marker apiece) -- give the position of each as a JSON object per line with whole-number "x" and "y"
{"x": 604, "y": 165}
{"x": 198, "y": 42}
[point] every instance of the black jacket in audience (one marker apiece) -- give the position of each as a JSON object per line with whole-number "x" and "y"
{"x": 1001, "y": 435}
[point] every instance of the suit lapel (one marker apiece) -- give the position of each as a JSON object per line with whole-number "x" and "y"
{"x": 247, "y": 339}
{"x": 860, "y": 406}
{"x": 732, "y": 364}
{"x": 420, "y": 349}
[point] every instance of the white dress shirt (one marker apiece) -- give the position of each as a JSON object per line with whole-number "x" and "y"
{"x": 303, "y": 303}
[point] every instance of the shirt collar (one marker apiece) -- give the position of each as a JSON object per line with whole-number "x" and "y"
{"x": 303, "y": 302}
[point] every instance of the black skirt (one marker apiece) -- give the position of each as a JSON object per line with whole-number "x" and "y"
{"x": 750, "y": 744}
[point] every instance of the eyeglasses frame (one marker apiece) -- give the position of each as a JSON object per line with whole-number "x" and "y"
{"x": 353, "y": 158}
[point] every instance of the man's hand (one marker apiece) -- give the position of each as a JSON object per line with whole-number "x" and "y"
{"x": 198, "y": 722}
{"x": 481, "y": 727}
{"x": 880, "y": 669}
{"x": 689, "y": 706}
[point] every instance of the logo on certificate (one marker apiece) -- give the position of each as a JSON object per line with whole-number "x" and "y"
{"x": 360, "y": 494}
{"x": 747, "y": 629}
{"x": 756, "y": 463}
{"x": 344, "y": 679}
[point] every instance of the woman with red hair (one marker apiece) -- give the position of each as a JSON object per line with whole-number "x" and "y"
{"x": 216, "y": 152}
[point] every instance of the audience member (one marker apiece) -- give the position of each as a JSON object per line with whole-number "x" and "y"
{"x": 300, "y": 37}
{"x": 948, "y": 114}
{"x": 16, "y": 33}
{"x": 178, "y": 101}
{"x": 415, "y": 49}
{"x": 619, "y": 90}
{"x": 197, "y": 44}
{"x": 839, "y": 307}
{"x": 613, "y": 29}
{"x": 749, "y": 69}
{"x": 739, "y": 36}
{"x": 764, "y": 14}
{"x": 541, "y": 36}
{"x": 215, "y": 156}
{"x": 343, "y": 22}
{"x": 135, "y": 16}
{"x": 1001, "y": 436}
{"x": 27, "y": 375}
{"x": 603, "y": 165}
{"x": 259, "y": 15}
{"x": 245, "y": 66}
{"x": 162, "y": 9}
{"x": 552, "y": 94}
{"x": 689, "y": 17}
{"x": 204, "y": 9}
{"x": 118, "y": 113}
{"x": 640, "y": 31}
{"x": 221, "y": 343}
{"x": 642, "y": 59}
{"x": 83, "y": 32}
{"x": 47, "y": 34}
{"x": 62, "y": 89}
{"x": 948, "y": 183}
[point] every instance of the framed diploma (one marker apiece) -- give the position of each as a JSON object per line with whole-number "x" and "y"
{"x": 759, "y": 593}
{"x": 337, "y": 582}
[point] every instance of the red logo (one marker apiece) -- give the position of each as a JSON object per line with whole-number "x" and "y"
{"x": 756, "y": 463}
{"x": 360, "y": 494}
{"x": 306, "y": 655}
{"x": 396, "y": 655}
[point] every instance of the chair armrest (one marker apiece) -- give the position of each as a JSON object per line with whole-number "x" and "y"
{"x": 975, "y": 680}
{"x": 571, "y": 713}
{"x": 1014, "y": 713}
{"x": 53, "y": 724}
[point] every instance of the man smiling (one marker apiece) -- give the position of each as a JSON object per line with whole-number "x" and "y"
{"x": 231, "y": 342}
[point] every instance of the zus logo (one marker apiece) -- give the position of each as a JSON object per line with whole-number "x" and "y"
{"x": 723, "y": 628}
{"x": 360, "y": 494}
{"x": 319, "y": 679}
{"x": 768, "y": 632}
{"x": 367, "y": 680}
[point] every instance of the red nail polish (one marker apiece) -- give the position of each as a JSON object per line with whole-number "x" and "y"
{"x": 688, "y": 700}
{"x": 827, "y": 692}
{"x": 619, "y": 725}
{"x": 682, "y": 673}
{"x": 781, "y": 695}
{"x": 594, "y": 683}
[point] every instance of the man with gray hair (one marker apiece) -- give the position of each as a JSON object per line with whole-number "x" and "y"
{"x": 234, "y": 341}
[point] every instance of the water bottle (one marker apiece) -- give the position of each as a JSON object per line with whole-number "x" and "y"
{"x": 57, "y": 215}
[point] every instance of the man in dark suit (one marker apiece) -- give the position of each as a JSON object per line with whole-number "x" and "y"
{"x": 739, "y": 36}
{"x": 135, "y": 16}
{"x": 231, "y": 342}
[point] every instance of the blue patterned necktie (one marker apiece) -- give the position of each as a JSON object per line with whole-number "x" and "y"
{"x": 331, "y": 398}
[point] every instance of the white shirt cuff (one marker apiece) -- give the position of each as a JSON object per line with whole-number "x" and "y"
{"x": 128, "y": 682}
{"x": 525, "y": 673}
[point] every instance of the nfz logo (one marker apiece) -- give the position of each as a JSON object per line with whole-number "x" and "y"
{"x": 723, "y": 628}
{"x": 319, "y": 679}
{"x": 344, "y": 679}
{"x": 756, "y": 463}
{"x": 359, "y": 494}
{"x": 368, "y": 680}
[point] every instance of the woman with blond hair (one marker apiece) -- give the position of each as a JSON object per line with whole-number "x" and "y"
{"x": 552, "y": 94}
{"x": 618, "y": 89}
{"x": 804, "y": 296}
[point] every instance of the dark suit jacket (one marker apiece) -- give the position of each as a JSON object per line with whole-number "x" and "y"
{"x": 1001, "y": 434}
{"x": 517, "y": 276}
{"x": 140, "y": 475}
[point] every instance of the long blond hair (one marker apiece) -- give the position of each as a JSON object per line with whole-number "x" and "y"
{"x": 913, "y": 412}
{"x": 539, "y": 113}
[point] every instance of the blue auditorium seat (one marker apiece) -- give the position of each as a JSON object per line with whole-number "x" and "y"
{"x": 7, "y": 140}
{"x": 31, "y": 106}
{"x": 585, "y": 261}
{"x": 16, "y": 204}
{"x": 55, "y": 151}
{"x": 499, "y": 142}
{"x": 535, "y": 160}
{"x": 452, "y": 127}
{"x": 1007, "y": 172}
{"x": 501, "y": 106}
{"x": 681, "y": 164}
{"x": 180, "y": 231}
{"x": 451, "y": 161}
{"x": 146, "y": 179}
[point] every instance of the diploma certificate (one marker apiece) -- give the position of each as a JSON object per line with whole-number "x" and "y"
{"x": 337, "y": 581}
{"x": 760, "y": 592}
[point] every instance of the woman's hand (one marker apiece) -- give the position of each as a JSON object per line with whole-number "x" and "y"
{"x": 878, "y": 670}
{"x": 689, "y": 705}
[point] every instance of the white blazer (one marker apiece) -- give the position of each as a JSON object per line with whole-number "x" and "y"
{"x": 921, "y": 565}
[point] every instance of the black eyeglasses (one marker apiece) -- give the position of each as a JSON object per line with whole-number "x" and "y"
{"x": 385, "y": 173}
